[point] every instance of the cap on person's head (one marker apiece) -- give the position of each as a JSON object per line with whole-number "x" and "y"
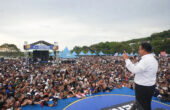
{"x": 28, "y": 93}
{"x": 46, "y": 87}
{"x": 36, "y": 93}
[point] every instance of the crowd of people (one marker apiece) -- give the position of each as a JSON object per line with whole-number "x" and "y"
{"x": 162, "y": 89}
{"x": 23, "y": 83}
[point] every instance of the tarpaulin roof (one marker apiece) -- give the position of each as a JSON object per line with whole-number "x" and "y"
{"x": 82, "y": 53}
{"x": 66, "y": 54}
{"x": 89, "y": 53}
{"x": 74, "y": 53}
{"x": 101, "y": 53}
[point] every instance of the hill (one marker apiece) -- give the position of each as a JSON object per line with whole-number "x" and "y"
{"x": 9, "y": 50}
{"x": 160, "y": 42}
{"x": 9, "y": 47}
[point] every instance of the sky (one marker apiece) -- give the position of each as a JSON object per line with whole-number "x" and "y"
{"x": 81, "y": 22}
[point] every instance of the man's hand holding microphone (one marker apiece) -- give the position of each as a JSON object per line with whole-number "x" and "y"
{"x": 125, "y": 56}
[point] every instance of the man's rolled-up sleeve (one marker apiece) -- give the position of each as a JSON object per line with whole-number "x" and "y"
{"x": 135, "y": 68}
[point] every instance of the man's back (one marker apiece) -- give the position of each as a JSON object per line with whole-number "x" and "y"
{"x": 147, "y": 77}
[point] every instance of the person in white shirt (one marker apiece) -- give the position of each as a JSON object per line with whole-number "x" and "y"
{"x": 145, "y": 76}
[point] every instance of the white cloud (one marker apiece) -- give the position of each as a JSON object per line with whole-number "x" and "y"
{"x": 80, "y": 23}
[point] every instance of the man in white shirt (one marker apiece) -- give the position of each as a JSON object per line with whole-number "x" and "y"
{"x": 145, "y": 76}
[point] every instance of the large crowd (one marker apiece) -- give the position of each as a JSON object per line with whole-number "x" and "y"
{"x": 23, "y": 82}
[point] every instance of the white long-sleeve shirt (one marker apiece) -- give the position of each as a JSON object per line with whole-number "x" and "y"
{"x": 145, "y": 70}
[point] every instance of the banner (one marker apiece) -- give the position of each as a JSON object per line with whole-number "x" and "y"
{"x": 40, "y": 47}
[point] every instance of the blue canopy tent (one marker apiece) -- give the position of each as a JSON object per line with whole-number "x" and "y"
{"x": 82, "y": 53}
{"x": 136, "y": 54}
{"x": 60, "y": 54}
{"x": 74, "y": 53}
{"x": 65, "y": 54}
{"x": 119, "y": 54}
{"x": 93, "y": 53}
{"x": 116, "y": 54}
{"x": 89, "y": 53}
{"x": 131, "y": 54}
{"x": 101, "y": 53}
{"x": 128, "y": 54}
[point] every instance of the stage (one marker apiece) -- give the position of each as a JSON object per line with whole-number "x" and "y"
{"x": 117, "y": 99}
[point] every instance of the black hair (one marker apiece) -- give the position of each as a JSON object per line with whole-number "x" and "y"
{"x": 146, "y": 46}
{"x": 45, "y": 96}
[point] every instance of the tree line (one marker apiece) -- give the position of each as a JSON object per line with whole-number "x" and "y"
{"x": 159, "y": 41}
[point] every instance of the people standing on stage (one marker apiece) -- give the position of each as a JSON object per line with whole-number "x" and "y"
{"x": 145, "y": 75}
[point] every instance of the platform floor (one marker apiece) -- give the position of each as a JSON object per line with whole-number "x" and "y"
{"x": 116, "y": 99}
